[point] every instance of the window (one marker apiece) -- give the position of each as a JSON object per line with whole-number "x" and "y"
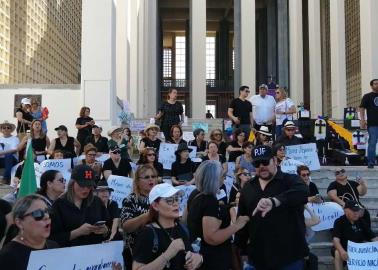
{"x": 210, "y": 58}
{"x": 180, "y": 65}
{"x": 167, "y": 63}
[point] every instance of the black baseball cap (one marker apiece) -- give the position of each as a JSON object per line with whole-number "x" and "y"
{"x": 61, "y": 127}
{"x": 84, "y": 176}
{"x": 352, "y": 205}
{"x": 262, "y": 152}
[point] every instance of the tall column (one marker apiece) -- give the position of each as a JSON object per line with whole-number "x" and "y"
{"x": 98, "y": 49}
{"x": 338, "y": 66}
{"x": 282, "y": 43}
{"x": 132, "y": 40}
{"x": 245, "y": 44}
{"x": 369, "y": 42}
{"x": 296, "y": 51}
{"x": 315, "y": 64}
{"x": 271, "y": 39}
{"x": 198, "y": 57}
{"x": 122, "y": 49}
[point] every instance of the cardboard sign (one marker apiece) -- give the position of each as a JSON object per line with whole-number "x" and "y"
{"x": 62, "y": 165}
{"x": 204, "y": 126}
{"x": 188, "y": 136}
{"x": 167, "y": 154}
{"x": 231, "y": 169}
{"x": 362, "y": 256}
{"x": 320, "y": 129}
{"x": 122, "y": 186}
{"x": 306, "y": 153}
{"x": 136, "y": 126}
{"x": 328, "y": 212}
{"x": 99, "y": 256}
{"x": 193, "y": 154}
{"x": 289, "y": 165}
{"x": 186, "y": 191}
{"x": 228, "y": 182}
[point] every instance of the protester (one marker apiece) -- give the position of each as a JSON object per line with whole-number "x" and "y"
{"x": 284, "y": 110}
{"x": 130, "y": 140}
{"x": 31, "y": 216}
{"x": 24, "y": 118}
{"x": 263, "y": 137}
{"x": 5, "y": 217}
{"x": 235, "y": 148}
{"x": 171, "y": 112}
{"x": 8, "y": 150}
{"x": 183, "y": 168}
{"x": 90, "y": 153}
{"x": 84, "y": 126}
{"x": 288, "y": 137}
{"x": 343, "y": 190}
{"x": 263, "y": 106}
{"x": 304, "y": 173}
{"x": 274, "y": 201}
{"x": 135, "y": 208}
{"x": 79, "y": 216}
{"x": 100, "y": 142}
{"x": 209, "y": 115}
{"x": 52, "y": 186}
{"x": 148, "y": 156}
{"x": 349, "y": 227}
{"x": 175, "y": 135}
{"x": 279, "y": 151}
{"x": 116, "y": 165}
{"x": 37, "y": 114}
{"x": 370, "y": 123}
{"x": 212, "y": 154}
{"x": 69, "y": 145}
{"x": 151, "y": 139}
{"x": 210, "y": 221}
{"x": 57, "y": 154}
{"x": 199, "y": 141}
{"x": 242, "y": 176}
{"x": 165, "y": 241}
{"x": 216, "y": 135}
{"x": 245, "y": 160}
{"x": 118, "y": 139}
{"x": 240, "y": 111}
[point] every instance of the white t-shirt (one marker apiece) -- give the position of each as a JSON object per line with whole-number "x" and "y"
{"x": 9, "y": 144}
{"x": 263, "y": 109}
{"x": 283, "y": 106}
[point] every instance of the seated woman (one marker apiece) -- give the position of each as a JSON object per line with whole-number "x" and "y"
{"x": 116, "y": 165}
{"x": 212, "y": 154}
{"x": 118, "y": 138}
{"x": 57, "y": 154}
{"x": 151, "y": 139}
{"x": 31, "y": 216}
{"x": 216, "y": 135}
{"x": 165, "y": 241}
{"x": 245, "y": 160}
{"x": 183, "y": 168}
{"x": 148, "y": 156}
{"x": 234, "y": 149}
{"x": 175, "y": 135}
{"x": 199, "y": 141}
{"x": 52, "y": 185}
{"x": 242, "y": 176}
{"x": 90, "y": 152}
{"x": 263, "y": 137}
{"x": 69, "y": 145}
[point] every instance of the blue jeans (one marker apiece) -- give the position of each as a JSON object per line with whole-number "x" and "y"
{"x": 278, "y": 131}
{"x": 7, "y": 162}
{"x": 373, "y": 139}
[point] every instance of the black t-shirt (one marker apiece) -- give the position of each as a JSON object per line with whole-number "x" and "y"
{"x": 113, "y": 212}
{"x": 83, "y": 133}
{"x": 154, "y": 144}
{"x": 222, "y": 148}
{"x": 242, "y": 109}
{"x": 101, "y": 144}
{"x": 370, "y": 103}
{"x": 5, "y": 209}
{"x": 123, "y": 169}
{"x": 26, "y": 116}
{"x": 357, "y": 232}
{"x": 143, "y": 250}
{"x": 313, "y": 189}
{"x": 345, "y": 192}
{"x": 200, "y": 148}
{"x": 15, "y": 255}
{"x": 234, "y": 154}
{"x": 183, "y": 171}
{"x": 222, "y": 159}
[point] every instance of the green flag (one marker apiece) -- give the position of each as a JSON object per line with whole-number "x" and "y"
{"x": 28, "y": 181}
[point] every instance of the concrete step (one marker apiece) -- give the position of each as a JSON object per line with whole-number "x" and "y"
{"x": 325, "y": 263}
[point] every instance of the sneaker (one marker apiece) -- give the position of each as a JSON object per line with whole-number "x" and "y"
{"x": 370, "y": 166}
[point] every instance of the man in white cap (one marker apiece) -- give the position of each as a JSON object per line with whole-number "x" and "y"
{"x": 288, "y": 137}
{"x": 24, "y": 118}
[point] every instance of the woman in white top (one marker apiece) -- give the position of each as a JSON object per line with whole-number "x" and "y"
{"x": 285, "y": 109}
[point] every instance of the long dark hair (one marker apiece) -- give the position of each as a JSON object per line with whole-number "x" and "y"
{"x": 47, "y": 176}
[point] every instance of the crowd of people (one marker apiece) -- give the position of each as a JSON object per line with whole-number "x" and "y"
{"x": 258, "y": 224}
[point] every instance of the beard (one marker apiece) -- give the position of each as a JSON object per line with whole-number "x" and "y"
{"x": 268, "y": 177}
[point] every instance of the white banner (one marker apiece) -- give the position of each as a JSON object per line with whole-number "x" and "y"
{"x": 100, "y": 256}
{"x": 188, "y": 136}
{"x": 306, "y": 153}
{"x": 167, "y": 154}
{"x": 362, "y": 256}
{"x": 204, "y": 126}
{"x": 193, "y": 154}
{"x": 62, "y": 165}
{"x": 328, "y": 212}
{"x": 187, "y": 190}
{"x": 122, "y": 186}
{"x": 289, "y": 165}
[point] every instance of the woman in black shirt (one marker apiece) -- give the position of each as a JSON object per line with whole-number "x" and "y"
{"x": 84, "y": 125}
{"x": 148, "y": 156}
{"x": 216, "y": 135}
{"x": 175, "y": 135}
{"x": 235, "y": 148}
{"x": 116, "y": 165}
{"x": 151, "y": 139}
{"x": 199, "y": 140}
{"x": 24, "y": 118}
{"x": 212, "y": 154}
{"x": 52, "y": 185}
{"x": 69, "y": 145}
{"x": 183, "y": 168}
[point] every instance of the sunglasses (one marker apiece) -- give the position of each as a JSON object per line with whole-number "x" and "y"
{"x": 217, "y": 134}
{"x": 116, "y": 152}
{"x": 257, "y": 163}
{"x": 245, "y": 174}
{"x": 173, "y": 199}
{"x": 6, "y": 127}
{"x": 247, "y": 91}
{"x": 151, "y": 154}
{"x": 290, "y": 129}
{"x": 342, "y": 171}
{"x": 278, "y": 93}
{"x": 91, "y": 155}
{"x": 62, "y": 180}
{"x": 38, "y": 214}
{"x": 281, "y": 149}
{"x": 148, "y": 177}
{"x": 305, "y": 174}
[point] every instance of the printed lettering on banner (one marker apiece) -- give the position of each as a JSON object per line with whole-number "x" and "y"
{"x": 306, "y": 153}
{"x": 137, "y": 126}
{"x": 122, "y": 186}
{"x": 328, "y": 212}
{"x": 186, "y": 191}
{"x": 204, "y": 126}
{"x": 62, "y": 165}
{"x": 193, "y": 154}
{"x": 231, "y": 169}
{"x": 100, "y": 256}
{"x": 228, "y": 182}
{"x": 188, "y": 136}
{"x": 167, "y": 154}
{"x": 362, "y": 256}
{"x": 289, "y": 165}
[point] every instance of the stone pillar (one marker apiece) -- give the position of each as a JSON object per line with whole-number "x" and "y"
{"x": 271, "y": 15}
{"x": 198, "y": 57}
{"x": 98, "y": 50}
{"x": 315, "y": 64}
{"x": 282, "y": 43}
{"x": 296, "y": 51}
{"x": 338, "y": 66}
{"x": 122, "y": 50}
{"x": 132, "y": 40}
{"x": 369, "y": 43}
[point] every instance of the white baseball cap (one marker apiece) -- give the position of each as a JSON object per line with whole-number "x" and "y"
{"x": 162, "y": 191}
{"x": 26, "y": 101}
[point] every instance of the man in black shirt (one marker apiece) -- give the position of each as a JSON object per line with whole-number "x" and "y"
{"x": 369, "y": 103}
{"x": 274, "y": 202}
{"x": 349, "y": 227}
{"x": 240, "y": 111}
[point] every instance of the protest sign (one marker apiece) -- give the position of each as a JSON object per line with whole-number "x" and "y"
{"x": 122, "y": 186}
{"x": 188, "y": 136}
{"x": 327, "y": 212}
{"x": 137, "y": 126}
{"x": 204, "y": 126}
{"x": 167, "y": 154}
{"x": 100, "y": 256}
{"x": 193, "y": 154}
{"x": 362, "y": 256}
{"x": 228, "y": 182}
{"x": 62, "y": 165}
{"x": 231, "y": 169}
{"x": 289, "y": 165}
{"x": 186, "y": 191}
{"x": 103, "y": 158}
{"x": 306, "y": 153}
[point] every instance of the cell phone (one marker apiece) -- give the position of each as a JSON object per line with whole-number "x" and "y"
{"x": 100, "y": 223}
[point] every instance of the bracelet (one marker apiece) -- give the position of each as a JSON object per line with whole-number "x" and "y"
{"x": 273, "y": 202}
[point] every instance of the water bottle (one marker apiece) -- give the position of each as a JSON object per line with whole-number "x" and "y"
{"x": 196, "y": 245}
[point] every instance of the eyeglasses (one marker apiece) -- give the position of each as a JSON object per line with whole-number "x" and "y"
{"x": 217, "y": 134}
{"x": 290, "y": 129}
{"x": 173, "y": 199}
{"x": 247, "y": 91}
{"x": 245, "y": 174}
{"x": 38, "y": 214}
{"x": 151, "y": 154}
{"x": 62, "y": 180}
{"x": 305, "y": 174}
{"x": 241, "y": 135}
{"x": 342, "y": 171}
{"x": 148, "y": 177}
{"x": 6, "y": 127}
{"x": 257, "y": 163}
{"x": 278, "y": 93}
{"x": 116, "y": 152}
{"x": 91, "y": 155}
{"x": 281, "y": 149}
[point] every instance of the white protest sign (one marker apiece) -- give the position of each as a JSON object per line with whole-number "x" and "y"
{"x": 188, "y": 136}
{"x": 289, "y": 165}
{"x": 122, "y": 186}
{"x": 204, "y": 126}
{"x": 167, "y": 154}
{"x": 193, "y": 154}
{"x": 62, "y": 165}
{"x": 100, "y": 256}
{"x": 186, "y": 191}
{"x": 103, "y": 157}
{"x": 362, "y": 256}
{"x": 328, "y": 212}
{"x": 228, "y": 182}
{"x": 231, "y": 169}
{"x": 306, "y": 153}
{"x": 137, "y": 126}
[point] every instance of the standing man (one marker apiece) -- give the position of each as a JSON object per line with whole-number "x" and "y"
{"x": 240, "y": 111}
{"x": 263, "y": 106}
{"x": 274, "y": 238}
{"x": 369, "y": 103}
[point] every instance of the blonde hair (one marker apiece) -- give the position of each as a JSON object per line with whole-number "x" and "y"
{"x": 70, "y": 194}
{"x": 141, "y": 170}
{"x": 283, "y": 92}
